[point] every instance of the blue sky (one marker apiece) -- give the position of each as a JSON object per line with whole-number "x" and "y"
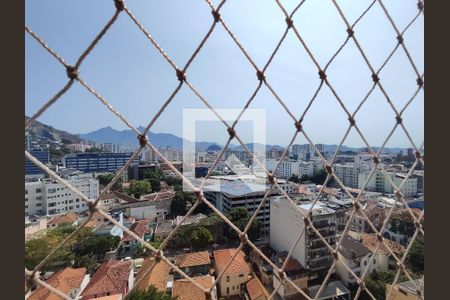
{"x": 128, "y": 71}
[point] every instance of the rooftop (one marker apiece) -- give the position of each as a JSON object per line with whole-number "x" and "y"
{"x": 335, "y": 288}
{"x": 193, "y": 259}
{"x": 140, "y": 228}
{"x": 238, "y": 265}
{"x": 255, "y": 289}
{"x": 64, "y": 280}
{"x": 410, "y": 286}
{"x": 370, "y": 241}
{"x": 153, "y": 273}
{"x": 68, "y": 218}
{"x": 111, "y": 277}
{"x": 351, "y": 248}
{"x": 117, "y": 195}
{"x": 318, "y": 209}
{"x": 183, "y": 289}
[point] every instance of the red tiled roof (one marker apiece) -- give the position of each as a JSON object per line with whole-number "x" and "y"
{"x": 112, "y": 277}
{"x": 68, "y": 218}
{"x": 112, "y": 297}
{"x": 371, "y": 242}
{"x": 64, "y": 280}
{"x": 153, "y": 273}
{"x": 255, "y": 289}
{"x": 97, "y": 219}
{"x": 185, "y": 290}
{"x": 193, "y": 259}
{"x": 140, "y": 228}
{"x": 237, "y": 266}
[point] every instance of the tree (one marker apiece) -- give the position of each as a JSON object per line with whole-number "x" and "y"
{"x": 85, "y": 261}
{"x": 93, "y": 245}
{"x": 415, "y": 258}
{"x": 150, "y": 294}
{"x": 376, "y": 283}
{"x": 294, "y": 178}
{"x": 200, "y": 238}
{"x": 240, "y": 217}
{"x": 320, "y": 178}
{"x": 106, "y": 179}
{"x": 138, "y": 188}
{"x": 154, "y": 177}
{"x": 178, "y": 206}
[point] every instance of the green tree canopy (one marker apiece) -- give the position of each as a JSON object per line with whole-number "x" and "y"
{"x": 179, "y": 204}
{"x": 138, "y": 188}
{"x": 105, "y": 179}
{"x": 155, "y": 177}
{"x": 201, "y": 238}
{"x": 416, "y": 256}
{"x": 240, "y": 217}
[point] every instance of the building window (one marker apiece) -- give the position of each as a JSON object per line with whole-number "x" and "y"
{"x": 38, "y": 204}
{"x": 241, "y": 275}
{"x": 39, "y": 198}
{"x": 228, "y": 278}
{"x": 228, "y": 290}
{"x": 26, "y": 199}
{"x": 38, "y": 190}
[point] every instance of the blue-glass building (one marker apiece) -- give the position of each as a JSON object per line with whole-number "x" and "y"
{"x": 30, "y": 168}
{"x": 97, "y": 162}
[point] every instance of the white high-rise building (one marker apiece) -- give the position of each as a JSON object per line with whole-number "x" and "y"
{"x": 49, "y": 197}
{"x": 379, "y": 182}
{"x": 286, "y": 223}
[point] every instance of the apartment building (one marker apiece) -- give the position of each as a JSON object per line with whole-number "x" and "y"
{"x": 287, "y": 223}
{"x": 49, "y": 197}
{"x": 41, "y": 155}
{"x": 379, "y": 182}
{"x": 233, "y": 193}
{"x": 356, "y": 256}
{"x": 97, "y": 162}
{"x": 346, "y": 173}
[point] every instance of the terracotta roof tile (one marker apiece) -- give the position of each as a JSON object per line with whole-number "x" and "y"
{"x": 371, "y": 242}
{"x": 112, "y": 297}
{"x": 153, "y": 273}
{"x": 68, "y": 218}
{"x": 237, "y": 266}
{"x": 255, "y": 289}
{"x": 112, "y": 276}
{"x": 185, "y": 290}
{"x": 140, "y": 228}
{"x": 64, "y": 280}
{"x": 193, "y": 259}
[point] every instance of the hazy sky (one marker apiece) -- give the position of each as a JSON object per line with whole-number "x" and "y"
{"x": 128, "y": 71}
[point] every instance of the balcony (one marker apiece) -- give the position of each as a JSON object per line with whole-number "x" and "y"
{"x": 321, "y": 263}
{"x": 323, "y": 225}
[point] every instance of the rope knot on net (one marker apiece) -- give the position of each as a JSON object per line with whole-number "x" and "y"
{"x": 120, "y": 5}
{"x": 216, "y": 16}
{"x": 72, "y": 72}
{"x": 142, "y": 140}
